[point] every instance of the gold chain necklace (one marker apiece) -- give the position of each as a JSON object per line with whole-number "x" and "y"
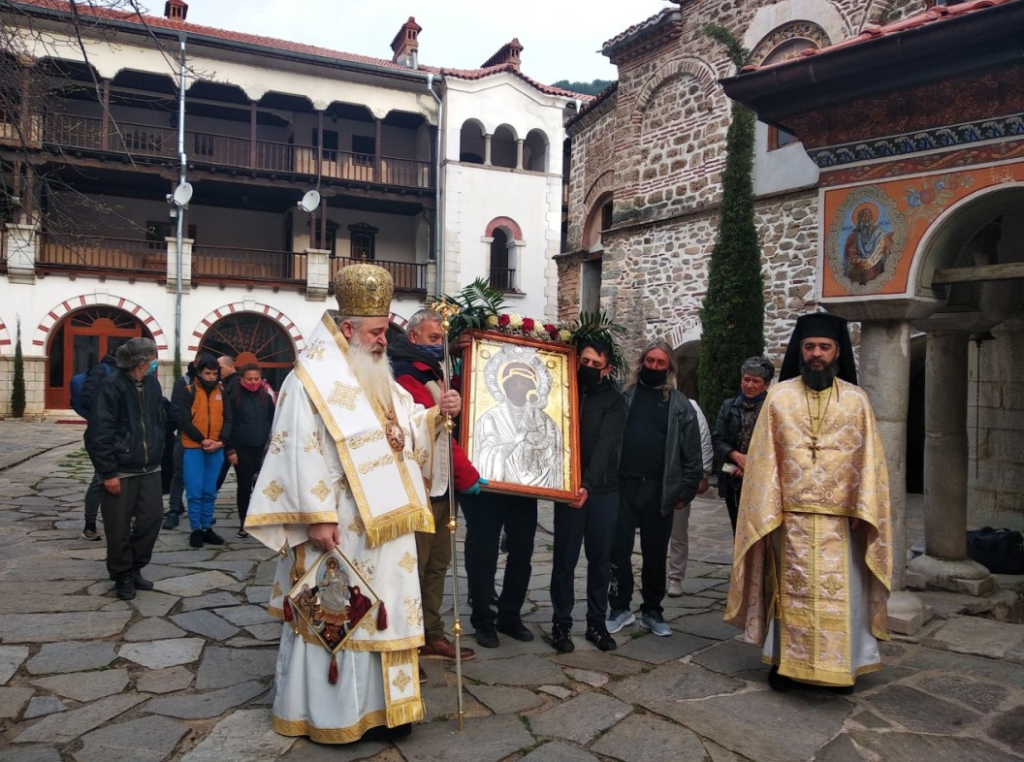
{"x": 820, "y": 420}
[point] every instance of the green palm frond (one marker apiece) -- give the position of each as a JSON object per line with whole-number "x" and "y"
{"x": 597, "y": 326}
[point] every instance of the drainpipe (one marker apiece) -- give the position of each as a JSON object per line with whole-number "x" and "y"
{"x": 438, "y": 223}
{"x": 180, "y": 233}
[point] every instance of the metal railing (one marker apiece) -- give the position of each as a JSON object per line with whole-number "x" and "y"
{"x": 238, "y": 264}
{"x": 408, "y": 276}
{"x": 503, "y": 279}
{"x": 69, "y": 131}
{"x": 129, "y": 256}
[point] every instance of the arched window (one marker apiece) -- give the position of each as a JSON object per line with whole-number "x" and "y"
{"x": 535, "y": 152}
{"x": 250, "y": 337}
{"x": 810, "y": 37}
{"x": 503, "y": 277}
{"x": 600, "y": 218}
{"x": 503, "y": 147}
{"x": 471, "y": 143}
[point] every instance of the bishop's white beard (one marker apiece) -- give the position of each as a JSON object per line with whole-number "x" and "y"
{"x": 372, "y": 371}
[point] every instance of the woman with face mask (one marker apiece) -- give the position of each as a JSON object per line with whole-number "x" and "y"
{"x": 252, "y": 409}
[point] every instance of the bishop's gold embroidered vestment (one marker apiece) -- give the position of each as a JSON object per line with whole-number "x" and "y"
{"x": 330, "y": 459}
{"x": 805, "y": 584}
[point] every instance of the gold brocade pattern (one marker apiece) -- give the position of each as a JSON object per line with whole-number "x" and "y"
{"x": 313, "y": 444}
{"x": 315, "y": 350}
{"x": 320, "y": 491}
{"x": 402, "y": 680}
{"x": 383, "y": 460}
{"x": 273, "y": 491}
{"x": 413, "y": 611}
{"x": 408, "y": 562}
{"x": 358, "y": 441}
{"x": 357, "y": 527}
{"x": 276, "y": 443}
{"x": 788, "y": 482}
{"x": 365, "y": 568}
{"x": 343, "y": 395}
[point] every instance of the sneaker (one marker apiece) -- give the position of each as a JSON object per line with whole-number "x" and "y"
{"x": 486, "y": 637}
{"x": 600, "y": 638}
{"x": 560, "y": 639}
{"x": 656, "y": 624}
{"x": 442, "y": 648}
{"x": 211, "y": 537}
{"x": 195, "y": 539}
{"x": 125, "y": 588}
{"x": 675, "y": 588}
{"x": 242, "y": 534}
{"x": 170, "y": 520}
{"x": 140, "y": 582}
{"x": 618, "y": 620}
{"x": 514, "y": 628}
{"x": 91, "y": 534}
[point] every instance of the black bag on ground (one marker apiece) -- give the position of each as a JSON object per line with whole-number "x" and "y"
{"x": 1001, "y": 551}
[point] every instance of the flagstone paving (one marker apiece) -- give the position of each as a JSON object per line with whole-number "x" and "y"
{"x": 185, "y": 672}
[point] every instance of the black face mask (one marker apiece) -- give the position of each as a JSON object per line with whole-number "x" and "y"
{"x": 209, "y": 385}
{"x": 650, "y": 377}
{"x": 587, "y": 376}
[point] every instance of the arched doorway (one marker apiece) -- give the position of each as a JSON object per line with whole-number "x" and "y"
{"x": 251, "y": 337}
{"x": 80, "y": 341}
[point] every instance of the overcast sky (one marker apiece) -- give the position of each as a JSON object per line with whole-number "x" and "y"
{"x": 560, "y": 38}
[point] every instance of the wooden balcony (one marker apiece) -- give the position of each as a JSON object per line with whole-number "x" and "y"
{"x": 64, "y": 133}
{"x": 112, "y": 257}
{"x": 503, "y": 278}
{"x": 134, "y": 259}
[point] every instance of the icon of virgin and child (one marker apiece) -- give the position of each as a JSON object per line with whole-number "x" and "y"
{"x": 516, "y": 441}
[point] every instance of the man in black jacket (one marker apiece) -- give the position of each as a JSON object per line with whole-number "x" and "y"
{"x": 591, "y": 518}
{"x": 125, "y": 440}
{"x": 659, "y": 472}
{"x": 97, "y": 373}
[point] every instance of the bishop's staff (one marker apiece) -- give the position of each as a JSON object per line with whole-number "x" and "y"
{"x": 447, "y": 310}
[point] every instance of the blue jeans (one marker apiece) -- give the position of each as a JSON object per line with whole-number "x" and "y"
{"x": 201, "y": 470}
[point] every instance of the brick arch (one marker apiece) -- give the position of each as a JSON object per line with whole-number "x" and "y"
{"x": 605, "y": 183}
{"x": 260, "y": 309}
{"x": 794, "y": 30}
{"x": 5, "y": 338}
{"x": 62, "y": 310}
{"x": 693, "y": 67}
{"x": 504, "y": 222}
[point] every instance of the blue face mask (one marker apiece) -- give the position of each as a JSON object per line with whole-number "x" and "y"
{"x": 434, "y": 350}
{"x": 152, "y": 367}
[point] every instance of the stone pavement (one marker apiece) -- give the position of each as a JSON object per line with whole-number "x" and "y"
{"x": 185, "y": 672}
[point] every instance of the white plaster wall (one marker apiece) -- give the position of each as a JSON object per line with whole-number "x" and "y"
{"x": 783, "y": 169}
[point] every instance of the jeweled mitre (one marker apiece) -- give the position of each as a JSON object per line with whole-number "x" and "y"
{"x": 364, "y": 291}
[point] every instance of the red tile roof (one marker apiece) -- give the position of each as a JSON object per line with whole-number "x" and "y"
{"x": 935, "y": 15}
{"x": 159, "y": 22}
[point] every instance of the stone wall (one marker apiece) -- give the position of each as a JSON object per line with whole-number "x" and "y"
{"x": 996, "y": 484}
{"x": 35, "y": 380}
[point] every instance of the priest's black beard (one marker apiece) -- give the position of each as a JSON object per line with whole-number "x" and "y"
{"x": 819, "y": 380}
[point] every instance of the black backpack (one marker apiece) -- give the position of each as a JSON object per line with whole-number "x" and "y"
{"x": 1001, "y": 551}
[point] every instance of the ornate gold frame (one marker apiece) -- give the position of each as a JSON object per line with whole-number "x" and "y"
{"x": 560, "y": 400}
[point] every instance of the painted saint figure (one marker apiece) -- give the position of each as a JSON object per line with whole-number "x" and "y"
{"x": 867, "y": 248}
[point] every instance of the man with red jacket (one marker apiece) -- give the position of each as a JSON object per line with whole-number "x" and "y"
{"x": 416, "y": 361}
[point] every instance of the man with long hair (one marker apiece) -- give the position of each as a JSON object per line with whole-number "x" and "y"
{"x": 659, "y": 473}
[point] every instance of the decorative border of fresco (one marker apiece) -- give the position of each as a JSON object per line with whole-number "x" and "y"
{"x": 928, "y": 140}
{"x": 963, "y": 157}
{"x": 915, "y": 202}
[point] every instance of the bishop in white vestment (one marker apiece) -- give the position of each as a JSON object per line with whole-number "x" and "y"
{"x": 350, "y": 466}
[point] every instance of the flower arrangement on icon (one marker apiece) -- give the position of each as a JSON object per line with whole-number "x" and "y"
{"x": 480, "y": 307}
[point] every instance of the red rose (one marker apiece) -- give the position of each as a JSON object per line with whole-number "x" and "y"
{"x": 528, "y": 324}
{"x": 550, "y": 328}
{"x": 503, "y": 320}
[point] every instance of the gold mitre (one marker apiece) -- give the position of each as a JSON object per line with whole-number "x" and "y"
{"x": 364, "y": 291}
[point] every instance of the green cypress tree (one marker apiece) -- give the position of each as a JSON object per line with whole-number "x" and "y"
{"x": 732, "y": 315}
{"x": 18, "y": 387}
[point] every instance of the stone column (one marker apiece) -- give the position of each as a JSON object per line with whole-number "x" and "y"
{"x": 944, "y": 563}
{"x": 519, "y": 154}
{"x": 885, "y": 376}
{"x": 487, "y": 150}
{"x": 172, "y": 264}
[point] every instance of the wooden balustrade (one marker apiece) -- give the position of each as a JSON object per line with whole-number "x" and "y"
{"x": 408, "y": 276}
{"x": 127, "y": 256}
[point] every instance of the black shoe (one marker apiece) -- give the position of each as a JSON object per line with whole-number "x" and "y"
{"x": 778, "y": 682}
{"x": 560, "y": 639}
{"x": 599, "y": 637}
{"x": 514, "y": 628}
{"x": 140, "y": 582}
{"x": 170, "y": 520}
{"x": 196, "y": 538}
{"x": 242, "y": 534}
{"x": 486, "y": 637}
{"x": 211, "y": 537}
{"x": 125, "y": 588}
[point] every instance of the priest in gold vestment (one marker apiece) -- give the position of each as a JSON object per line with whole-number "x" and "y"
{"x": 813, "y": 561}
{"x": 351, "y": 464}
